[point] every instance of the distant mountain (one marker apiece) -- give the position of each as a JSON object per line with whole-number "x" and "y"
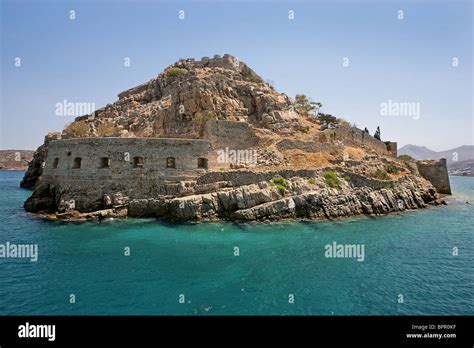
{"x": 458, "y": 154}
{"x": 417, "y": 152}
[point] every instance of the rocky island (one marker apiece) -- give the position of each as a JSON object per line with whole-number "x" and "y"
{"x": 210, "y": 139}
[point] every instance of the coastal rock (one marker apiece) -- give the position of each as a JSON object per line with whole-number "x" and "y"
{"x": 210, "y": 139}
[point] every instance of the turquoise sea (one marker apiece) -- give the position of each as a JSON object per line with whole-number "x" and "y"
{"x": 409, "y": 254}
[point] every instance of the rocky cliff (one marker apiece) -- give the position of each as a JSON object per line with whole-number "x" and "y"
{"x": 301, "y": 167}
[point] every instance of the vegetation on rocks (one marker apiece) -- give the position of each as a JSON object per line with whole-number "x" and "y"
{"x": 175, "y": 71}
{"x": 77, "y": 129}
{"x": 392, "y": 169}
{"x": 327, "y": 121}
{"x": 331, "y": 179}
{"x": 304, "y": 105}
{"x": 281, "y": 184}
{"x": 406, "y": 158}
{"x": 377, "y": 133}
{"x": 381, "y": 175}
{"x": 106, "y": 129}
{"x": 200, "y": 120}
{"x": 249, "y": 75}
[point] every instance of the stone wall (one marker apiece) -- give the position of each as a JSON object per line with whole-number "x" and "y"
{"x": 392, "y": 148}
{"x": 88, "y": 169}
{"x": 435, "y": 172}
{"x": 288, "y": 144}
{"x": 126, "y": 157}
{"x": 233, "y": 134}
{"x": 353, "y": 136}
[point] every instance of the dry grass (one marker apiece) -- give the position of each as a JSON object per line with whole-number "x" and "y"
{"x": 355, "y": 153}
{"x": 302, "y": 159}
{"x": 78, "y": 129}
{"x": 106, "y": 129}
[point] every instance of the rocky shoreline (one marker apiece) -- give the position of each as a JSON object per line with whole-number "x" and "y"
{"x": 297, "y": 197}
{"x": 210, "y": 140}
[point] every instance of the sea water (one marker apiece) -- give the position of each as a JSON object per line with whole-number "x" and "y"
{"x": 416, "y": 262}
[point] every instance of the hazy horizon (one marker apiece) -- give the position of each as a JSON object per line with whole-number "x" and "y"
{"x": 351, "y": 56}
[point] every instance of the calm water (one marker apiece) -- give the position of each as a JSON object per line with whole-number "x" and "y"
{"x": 409, "y": 254}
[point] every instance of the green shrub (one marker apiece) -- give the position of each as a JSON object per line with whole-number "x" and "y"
{"x": 387, "y": 187}
{"x": 281, "y": 184}
{"x": 409, "y": 166}
{"x": 347, "y": 178}
{"x": 406, "y": 158}
{"x": 381, "y": 175}
{"x": 200, "y": 120}
{"x": 281, "y": 189}
{"x": 280, "y": 181}
{"x": 390, "y": 168}
{"x": 311, "y": 181}
{"x": 331, "y": 179}
{"x": 174, "y": 71}
{"x": 249, "y": 75}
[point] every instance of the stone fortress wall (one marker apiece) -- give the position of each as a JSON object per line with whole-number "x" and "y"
{"x": 436, "y": 172}
{"x": 127, "y": 158}
{"x": 86, "y": 170}
{"x": 356, "y": 137}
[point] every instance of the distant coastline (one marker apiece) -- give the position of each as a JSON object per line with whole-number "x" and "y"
{"x": 15, "y": 159}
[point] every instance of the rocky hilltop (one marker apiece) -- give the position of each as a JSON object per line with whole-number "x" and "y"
{"x": 210, "y": 139}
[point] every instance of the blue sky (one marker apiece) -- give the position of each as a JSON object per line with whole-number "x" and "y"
{"x": 408, "y": 60}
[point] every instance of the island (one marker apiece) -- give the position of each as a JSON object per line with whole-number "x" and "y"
{"x": 210, "y": 140}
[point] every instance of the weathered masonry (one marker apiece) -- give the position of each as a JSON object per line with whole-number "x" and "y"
{"x": 127, "y": 158}
{"x": 436, "y": 172}
{"x": 86, "y": 172}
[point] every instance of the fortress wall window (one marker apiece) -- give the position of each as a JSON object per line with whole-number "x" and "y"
{"x": 105, "y": 162}
{"x": 55, "y": 163}
{"x": 77, "y": 163}
{"x": 202, "y": 163}
{"x": 170, "y": 162}
{"x": 138, "y": 162}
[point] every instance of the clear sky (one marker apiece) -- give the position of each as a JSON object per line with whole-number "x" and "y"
{"x": 402, "y": 60}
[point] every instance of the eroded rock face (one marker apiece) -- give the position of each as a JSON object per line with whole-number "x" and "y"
{"x": 167, "y": 105}
{"x": 303, "y": 200}
{"x": 302, "y": 197}
{"x": 35, "y": 166}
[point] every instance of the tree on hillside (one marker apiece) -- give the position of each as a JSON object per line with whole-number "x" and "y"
{"x": 305, "y": 106}
{"x": 377, "y": 133}
{"x": 327, "y": 119}
{"x": 366, "y": 130}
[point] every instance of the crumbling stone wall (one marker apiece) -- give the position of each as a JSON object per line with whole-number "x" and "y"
{"x": 356, "y": 137}
{"x": 392, "y": 148}
{"x": 435, "y": 172}
{"x": 233, "y": 134}
{"x": 122, "y": 153}
{"x": 85, "y": 170}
